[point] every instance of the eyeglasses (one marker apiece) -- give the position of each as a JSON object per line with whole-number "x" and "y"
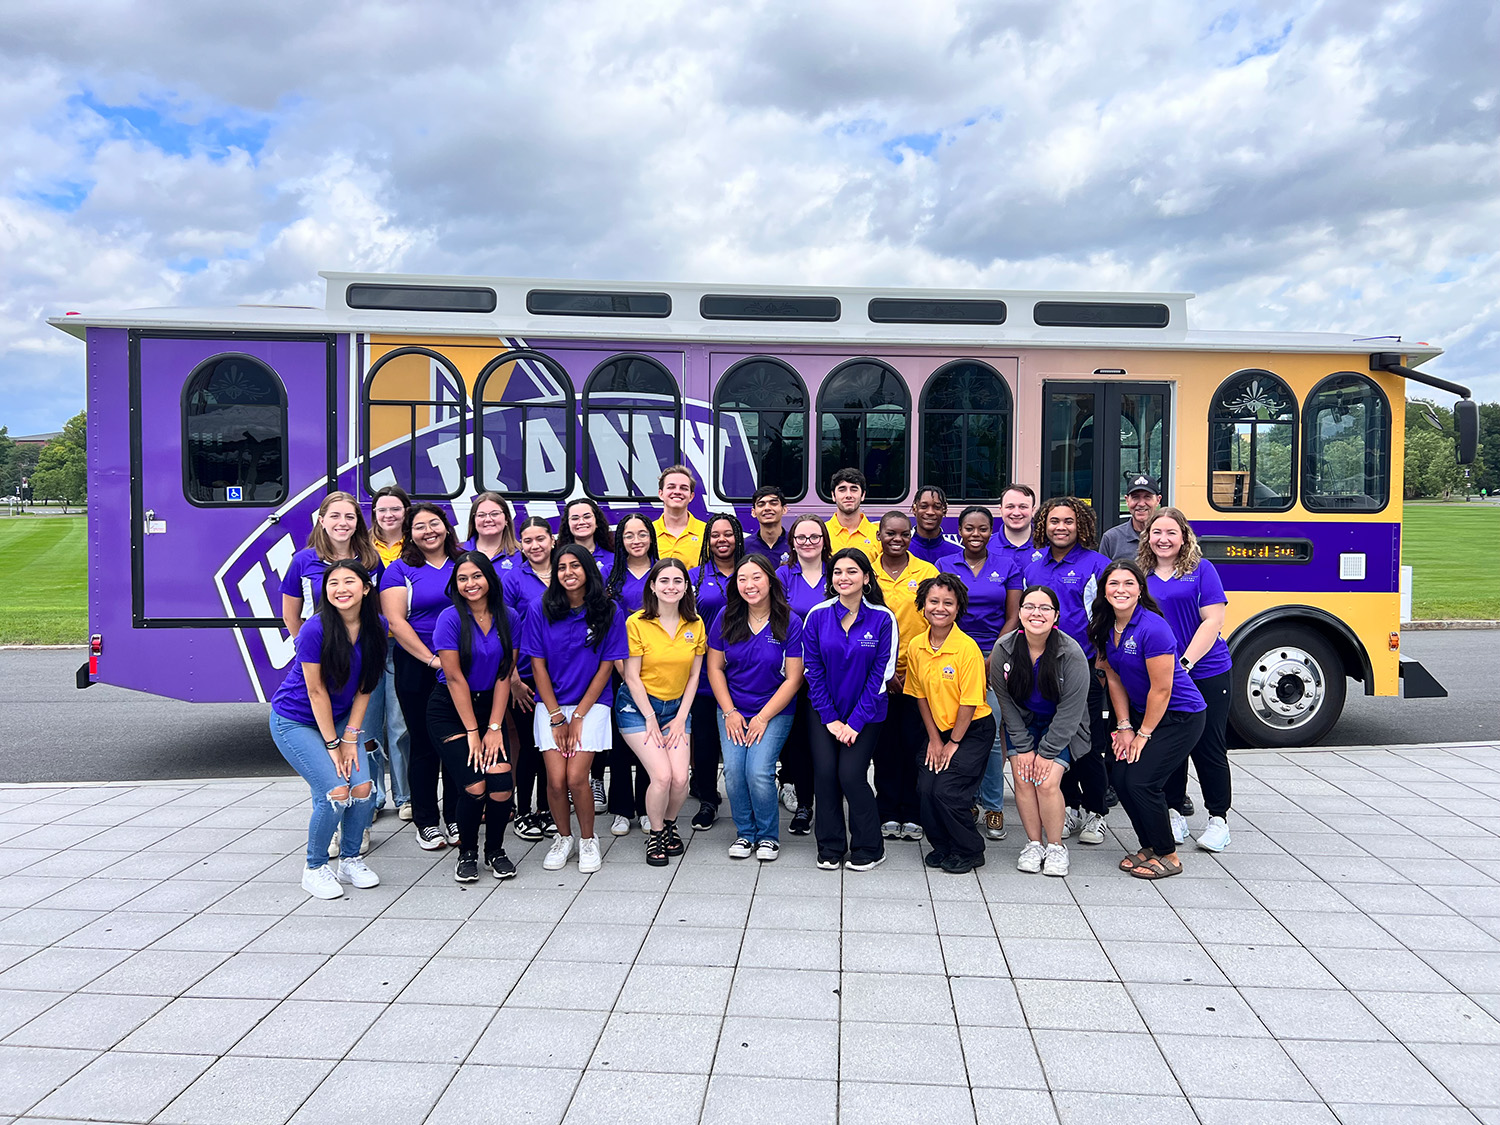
{"x": 807, "y": 539}
{"x": 1037, "y": 609}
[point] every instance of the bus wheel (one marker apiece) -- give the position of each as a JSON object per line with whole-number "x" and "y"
{"x": 1288, "y": 688}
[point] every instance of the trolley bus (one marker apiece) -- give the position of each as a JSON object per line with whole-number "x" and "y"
{"x": 214, "y": 433}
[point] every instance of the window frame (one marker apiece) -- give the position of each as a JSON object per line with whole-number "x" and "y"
{"x": 718, "y": 409}
{"x": 569, "y": 408}
{"x": 1295, "y": 425}
{"x": 588, "y": 392}
{"x": 207, "y": 366}
{"x": 1305, "y": 467}
{"x": 906, "y": 416}
{"x": 366, "y": 402}
{"x": 1009, "y": 414}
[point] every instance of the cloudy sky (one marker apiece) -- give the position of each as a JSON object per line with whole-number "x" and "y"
{"x": 1299, "y": 165}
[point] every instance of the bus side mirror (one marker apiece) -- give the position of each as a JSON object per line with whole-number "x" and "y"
{"x": 1466, "y": 419}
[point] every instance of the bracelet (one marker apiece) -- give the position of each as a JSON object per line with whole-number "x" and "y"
{"x": 350, "y": 741}
{"x": 558, "y": 723}
{"x": 471, "y": 730}
{"x": 1143, "y": 734}
{"x": 331, "y": 744}
{"x": 1124, "y": 726}
{"x": 434, "y": 662}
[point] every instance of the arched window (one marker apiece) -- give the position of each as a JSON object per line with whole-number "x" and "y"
{"x": 864, "y": 411}
{"x": 966, "y": 432}
{"x": 414, "y": 410}
{"x": 524, "y": 427}
{"x": 234, "y": 433}
{"x": 1346, "y": 445}
{"x": 1252, "y": 443}
{"x": 760, "y": 430}
{"x": 632, "y": 412}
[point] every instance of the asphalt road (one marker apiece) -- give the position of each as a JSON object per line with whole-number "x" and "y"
{"x": 51, "y": 731}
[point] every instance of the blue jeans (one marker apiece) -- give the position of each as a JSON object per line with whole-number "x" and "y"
{"x": 374, "y": 735}
{"x": 750, "y": 779}
{"x": 992, "y": 786}
{"x": 302, "y": 747}
{"x": 397, "y": 742}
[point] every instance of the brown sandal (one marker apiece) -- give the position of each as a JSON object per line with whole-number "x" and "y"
{"x": 1131, "y": 862}
{"x": 1157, "y": 868}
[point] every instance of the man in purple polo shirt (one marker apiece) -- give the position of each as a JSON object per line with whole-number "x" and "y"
{"x": 768, "y": 506}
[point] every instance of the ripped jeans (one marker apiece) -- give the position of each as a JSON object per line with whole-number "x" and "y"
{"x": 302, "y": 746}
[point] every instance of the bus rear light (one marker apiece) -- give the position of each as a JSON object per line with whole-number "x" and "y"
{"x": 1395, "y": 642}
{"x": 96, "y": 646}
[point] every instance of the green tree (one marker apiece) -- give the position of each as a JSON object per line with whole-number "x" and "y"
{"x": 7, "y": 463}
{"x": 62, "y": 469}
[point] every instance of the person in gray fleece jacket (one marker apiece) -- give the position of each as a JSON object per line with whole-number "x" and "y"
{"x": 1041, "y": 677}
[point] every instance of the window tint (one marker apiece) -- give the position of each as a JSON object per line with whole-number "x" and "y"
{"x": 421, "y": 298}
{"x": 414, "y": 424}
{"x": 912, "y": 310}
{"x": 966, "y": 432}
{"x": 716, "y": 306}
{"x": 524, "y": 427}
{"x": 573, "y": 302}
{"x": 631, "y": 412}
{"x": 760, "y": 430}
{"x": 1099, "y": 314}
{"x": 1346, "y": 443}
{"x": 1252, "y": 443}
{"x": 864, "y": 409}
{"x": 234, "y": 433}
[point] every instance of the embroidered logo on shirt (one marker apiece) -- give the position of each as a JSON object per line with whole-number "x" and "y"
{"x": 948, "y": 672}
{"x": 506, "y": 564}
{"x": 687, "y": 636}
{"x": 994, "y": 576}
{"x": 1130, "y": 645}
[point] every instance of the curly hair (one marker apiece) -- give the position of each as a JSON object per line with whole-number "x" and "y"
{"x": 1187, "y": 559}
{"x": 1083, "y": 512}
{"x": 950, "y": 582}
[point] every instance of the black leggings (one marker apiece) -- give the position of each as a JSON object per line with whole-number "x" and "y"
{"x": 947, "y": 796}
{"x": 1086, "y": 781}
{"x": 1211, "y": 754}
{"x": 703, "y": 782}
{"x": 1141, "y": 784}
{"x": 902, "y": 742}
{"x": 625, "y": 799}
{"x": 414, "y": 687}
{"x": 446, "y": 729}
{"x": 530, "y": 779}
{"x": 842, "y": 773}
{"x": 796, "y": 753}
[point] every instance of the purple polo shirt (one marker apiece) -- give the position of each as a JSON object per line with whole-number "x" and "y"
{"x": 932, "y": 550}
{"x": 503, "y": 562}
{"x": 799, "y": 594}
{"x": 426, "y": 592}
{"x": 779, "y": 555}
{"x": 522, "y": 590}
{"x": 290, "y": 700}
{"x": 1022, "y": 555}
{"x": 486, "y": 654}
{"x": 711, "y": 590}
{"x": 571, "y": 664}
{"x": 982, "y": 621}
{"x": 1147, "y": 635}
{"x": 631, "y": 591}
{"x": 1181, "y": 600}
{"x": 847, "y": 671}
{"x": 1075, "y": 580}
{"x": 756, "y": 668}
{"x": 304, "y": 578}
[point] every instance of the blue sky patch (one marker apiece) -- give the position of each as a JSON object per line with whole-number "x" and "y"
{"x": 164, "y": 126}
{"x": 922, "y": 143}
{"x": 65, "y": 196}
{"x": 1267, "y": 46}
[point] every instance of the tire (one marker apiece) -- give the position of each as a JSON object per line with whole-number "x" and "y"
{"x": 1289, "y": 687}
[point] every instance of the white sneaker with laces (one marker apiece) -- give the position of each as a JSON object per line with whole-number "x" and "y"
{"x": 1179, "y": 826}
{"x": 1072, "y": 822}
{"x": 1091, "y": 831}
{"x": 364, "y": 845}
{"x": 588, "y": 855}
{"x": 620, "y": 827}
{"x": 1056, "y": 862}
{"x": 320, "y": 882}
{"x": 558, "y": 853}
{"x": 1030, "y": 859}
{"x": 333, "y": 845}
{"x": 767, "y": 851}
{"x": 1214, "y": 838}
{"x": 645, "y": 824}
{"x": 741, "y": 849}
{"x": 789, "y": 798}
{"x": 404, "y": 812}
{"x": 356, "y": 874}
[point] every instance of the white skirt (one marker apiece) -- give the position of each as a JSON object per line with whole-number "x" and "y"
{"x": 595, "y": 737}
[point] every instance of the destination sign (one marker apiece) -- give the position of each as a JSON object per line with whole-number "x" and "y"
{"x": 1232, "y": 549}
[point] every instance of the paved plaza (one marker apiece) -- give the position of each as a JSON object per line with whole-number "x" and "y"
{"x": 159, "y": 962}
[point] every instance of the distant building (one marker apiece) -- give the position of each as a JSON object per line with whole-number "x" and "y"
{"x": 37, "y": 439}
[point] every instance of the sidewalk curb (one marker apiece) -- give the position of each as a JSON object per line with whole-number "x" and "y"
{"x": 1425, "y": 626}
{"x": 43, "y": 648}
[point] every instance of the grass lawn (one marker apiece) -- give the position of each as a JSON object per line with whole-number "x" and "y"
{"x": 1452, "y": 550}
{"x": 45, "y": 599}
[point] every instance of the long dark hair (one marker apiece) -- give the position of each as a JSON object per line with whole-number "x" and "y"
{"x": 1018, "y": 678}
{"x": 411, "y": 554}
{"x": 621, "y": 568}
{"x": 494, "y": 601}
{"x": 598, "y": 611}
{"x": 706, "y": 561}
{"x": 737, "y": 610}
{"x": 687, "y": 609}
{"x": 337, "y": 654}
{"x": 1102, "y": 614}
{"x": 872, "y": 592}
{"x": 603, "y": 540}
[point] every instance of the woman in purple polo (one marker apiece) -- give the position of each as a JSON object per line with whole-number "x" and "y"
{"x": 805, "y": 580}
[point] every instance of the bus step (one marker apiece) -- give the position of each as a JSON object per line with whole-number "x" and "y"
{"x": 1418, "y": 683}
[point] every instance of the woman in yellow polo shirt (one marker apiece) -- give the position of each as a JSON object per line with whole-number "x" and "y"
{"x": 946, "y": 675}
{"x": 667, "y": 641}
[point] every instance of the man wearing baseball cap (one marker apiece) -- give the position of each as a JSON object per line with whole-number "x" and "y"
{"x": 1124, "y": 539}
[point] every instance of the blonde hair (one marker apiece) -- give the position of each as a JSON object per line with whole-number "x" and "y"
{"x": 1187, "y": 559}
{"x": 359, "y": 543}
{"x": 508, "y": 544}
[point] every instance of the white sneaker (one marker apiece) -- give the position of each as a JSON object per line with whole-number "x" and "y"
{"x": 911, "y": 831}
{"x": 1030, "y": 859}
{"x": 767, "y": 851}
{"x": 364, "y": 845}
{"x": 1091, "y": 831}
{"x": 1214, "y": 838}
{"x": 620, "y": 827}
{"x": 320, "y": 882}
{"x": 588, "y": 854}
{"x": 1056, "y": 862}
{"x": 645, "y": 824}
{"x": 1072, "y": 822}
{"x": 789, "y": 798}
{"x": 404, "y": 812}
{"x": 1179, "y": 826}
{"x": 333, "y": 845}
{"x": 600, "y": 804}
{"x": 558, "y": 853}
{"x": 891, "y": 830}
{"x": 741, "y": 849}
{"x": 356, "y": 874}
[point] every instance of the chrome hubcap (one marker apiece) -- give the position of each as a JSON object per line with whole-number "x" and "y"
{"x": 1286, "y": 687}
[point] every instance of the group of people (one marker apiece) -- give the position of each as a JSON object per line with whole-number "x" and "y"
{"x": 501, "y": 679}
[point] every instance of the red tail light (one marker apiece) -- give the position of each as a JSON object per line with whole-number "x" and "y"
{"x": 96, "y": 646}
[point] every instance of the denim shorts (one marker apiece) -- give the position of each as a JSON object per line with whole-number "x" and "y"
{"x": 1036, "y": 730}
{"x": 629, "y": 718}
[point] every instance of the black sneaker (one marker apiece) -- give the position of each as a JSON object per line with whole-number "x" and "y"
{"x": 672, "y": 839}
{"x": 703, "y": 819}
{"x": 549, "y": 826}
{"x": 934, "y": 859}
{"x": 1187, "y": 808}
{"x": 430, "y": 839}
{"x": 467, "y": 870}
{"x": 801, "y": 823}
{"x": 656, "y": 848}
{"x": 500, "y": 866}
{"x": 528, "y": 826}
{"x": 961, "y": 865}
{"x": 1111, "y": 798}
{"x": 830, "y": 862}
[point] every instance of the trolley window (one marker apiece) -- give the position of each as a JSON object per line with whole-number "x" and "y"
{"x": 234, "y": 434}
{"x": 632, "y": 413}
{"x": 864, "y": 411}
{"x": 1252, "y": 443}
{"x": 966, "y": 412}
{"x": 524, "y": 427}
{"x": 1346, "y": 442}
{"x": 760, "y": 407}
{"x": 414, "y": 407}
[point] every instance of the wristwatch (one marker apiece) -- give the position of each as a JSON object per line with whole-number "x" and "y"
{"x": 494, "y": 726}
{"x": 1187, "y": 665}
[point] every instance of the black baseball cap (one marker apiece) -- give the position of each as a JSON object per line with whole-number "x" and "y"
{"x": 1143, "y": 483}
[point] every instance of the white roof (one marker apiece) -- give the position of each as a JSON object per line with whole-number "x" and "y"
{"x": 685, "y": 324}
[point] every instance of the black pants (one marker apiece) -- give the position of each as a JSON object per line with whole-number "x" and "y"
{"x": 703, "y": 781}
{"x": 625, "y": 799}
{"x": 1211, "y": 754}
{"x": 1087, "y": 779}
{"x": 796, "y": 754}
{"x": 901, "y": 743}
{"x": 414, "y": 687}
{"x": 443, "y": 724}
{"x": 842, "y": 773}
{"x": 1141, "y": 785}
{"x": 531, "y": 782}
{"x": 948, "y": 796}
